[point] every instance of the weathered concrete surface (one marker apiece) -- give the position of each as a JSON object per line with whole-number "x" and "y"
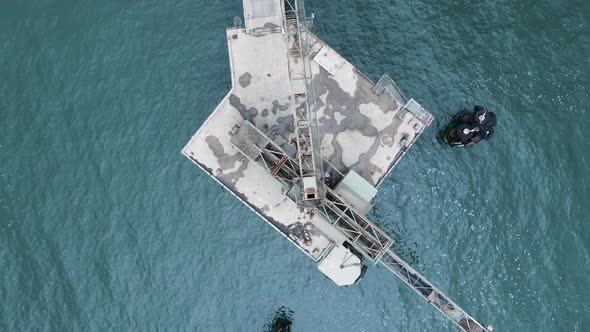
{"x": 262, "y": 96}
{"x": 359, "y": 130}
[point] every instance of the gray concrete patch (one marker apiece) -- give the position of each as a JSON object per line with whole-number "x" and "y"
{"x": 270, "y": 25}
{"x": 247, "y": 114}
{"x": 339, "y": 101}
{"x": 283, "y": 127}
{"x": 226, "y": 161}
{"x": 245, "y": 79}
{"x": 277, "y": 107}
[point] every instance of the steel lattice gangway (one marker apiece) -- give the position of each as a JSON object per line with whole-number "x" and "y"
{"x": 372, "y": 242}
{"x": 303, "y": 107}
{"x": 430, "y": 293}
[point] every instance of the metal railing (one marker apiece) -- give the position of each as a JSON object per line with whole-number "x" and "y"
{"x": 304, "y": 112}
{"x": 430, "y": 293}
{"x": 369, "y": 239}
{"x": 387, "y": 84}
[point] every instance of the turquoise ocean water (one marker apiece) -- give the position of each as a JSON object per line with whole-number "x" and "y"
{"x": 104, "y": 226}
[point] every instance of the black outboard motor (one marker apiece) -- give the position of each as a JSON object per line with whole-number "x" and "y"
{"x": 471, "y": 128}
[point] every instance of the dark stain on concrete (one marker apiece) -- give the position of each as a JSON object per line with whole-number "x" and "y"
{"x": 339, "y": 101}
{"x": 297, "y": 232}
{"x": 247, "y": 114}
{"x": 245, "y": 79}
{"x": 364, "y": 167}
{"x": 276, "y": 106}
{"x": 235, "y": 175}
{"x": 226, "y": 161}
{"x": 270, "y": 25}
{"x": 283, "y": 127}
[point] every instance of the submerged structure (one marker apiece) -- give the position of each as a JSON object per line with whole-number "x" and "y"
{"x": 304, "y": 139}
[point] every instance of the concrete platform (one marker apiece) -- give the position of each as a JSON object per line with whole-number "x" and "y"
{"x": 248, "y": 145}
{"x": 360, "y": 130}
{"x": 261, "y": 94}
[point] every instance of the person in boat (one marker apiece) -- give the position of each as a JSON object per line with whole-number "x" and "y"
{"x": 473, "y": 128}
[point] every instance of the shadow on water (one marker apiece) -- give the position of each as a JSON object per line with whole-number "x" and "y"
{"x": 281, "y": 321}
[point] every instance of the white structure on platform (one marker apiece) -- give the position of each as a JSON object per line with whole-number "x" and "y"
{"x": 341, "y": 266}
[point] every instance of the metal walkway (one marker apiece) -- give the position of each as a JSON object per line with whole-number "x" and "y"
{"x": 304, "y": 108}
{"x": 365, "y": 236}
{"x": 430, "y": 293}
{"x": 369, "y": 239}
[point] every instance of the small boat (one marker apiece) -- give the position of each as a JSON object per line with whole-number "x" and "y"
{"x": 471, "y": 127}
